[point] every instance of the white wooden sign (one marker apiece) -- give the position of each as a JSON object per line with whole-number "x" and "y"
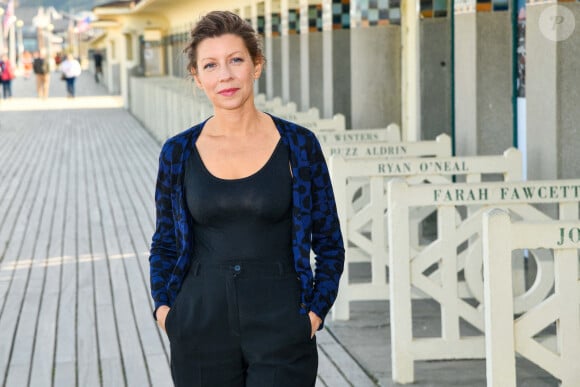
{"x": 437, "y": 269}
{"x": 385, "y": 149}
{"x": 506, "y": 337}
{"x": 391, "y": 133}
{"x": 363, "y": 218}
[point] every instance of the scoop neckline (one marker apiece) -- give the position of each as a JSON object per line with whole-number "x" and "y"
{"x": 238, "y": 179}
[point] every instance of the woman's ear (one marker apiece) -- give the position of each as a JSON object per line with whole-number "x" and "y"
{"x": 196, "y": 79}
{"x": 258, "y": 69}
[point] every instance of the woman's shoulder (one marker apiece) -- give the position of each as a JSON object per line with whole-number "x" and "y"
{"x": 175, "y": 145}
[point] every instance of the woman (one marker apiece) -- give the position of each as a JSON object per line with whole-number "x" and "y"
{"x": 71, "y": 69}
{"x": 6, "y": 76}
{"x": 241, "y": 200}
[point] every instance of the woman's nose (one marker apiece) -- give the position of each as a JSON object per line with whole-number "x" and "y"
{"x": 225, "y": 73}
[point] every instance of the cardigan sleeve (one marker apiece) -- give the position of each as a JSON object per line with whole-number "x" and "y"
{"x": 327, "y": 243}
{"x": 163, "y": 253}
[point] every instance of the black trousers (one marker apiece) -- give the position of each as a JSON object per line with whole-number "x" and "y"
{"x": 238, "y": 324}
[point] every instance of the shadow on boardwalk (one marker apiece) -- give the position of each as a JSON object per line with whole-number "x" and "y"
{"x": 76, "y": 218}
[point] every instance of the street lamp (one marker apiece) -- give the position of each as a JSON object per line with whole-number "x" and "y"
{"x": 19, "y": 25}
{"x": 49, "y": 29}
{"x": 12, "y": 43}
{"x": 76, "y": 45}
{"x": 1, "y": 31}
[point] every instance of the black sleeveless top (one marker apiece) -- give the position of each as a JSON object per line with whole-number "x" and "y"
{"x": 241, "y": 219}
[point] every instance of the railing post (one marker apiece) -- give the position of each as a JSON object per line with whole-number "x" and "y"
{"x": 498, "y": 296}
{"x": 400, "y": 286}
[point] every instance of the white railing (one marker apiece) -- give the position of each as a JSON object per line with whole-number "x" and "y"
{"x": 311, "y": 114}
{"x": 451, "y": 264}
{"x": 363, "y": 217}
{"x": 167, "y": 105}
{"x": 267, "y": 104}
{"x": 337, "y": 122}
{"x": 506, "y": 337}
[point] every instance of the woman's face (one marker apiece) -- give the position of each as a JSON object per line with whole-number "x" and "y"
{"x": 226, "y": 71}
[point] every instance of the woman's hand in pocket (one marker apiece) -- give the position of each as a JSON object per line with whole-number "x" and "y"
{"x": 161, "y": 314}
{"x": 315, "y": 322}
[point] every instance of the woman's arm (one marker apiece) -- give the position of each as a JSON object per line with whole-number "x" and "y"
{"x": 163, "y": 254}
{"x": 327, "y": 242}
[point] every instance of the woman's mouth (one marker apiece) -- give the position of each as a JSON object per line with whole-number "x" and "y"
{"x": 228, "y": 92}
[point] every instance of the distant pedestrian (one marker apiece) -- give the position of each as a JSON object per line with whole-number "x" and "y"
{"x": 71, "y": 69}
{"x": 26, "y": 64}
{"x": 41, "y": 68}
{"x": 98, "y": 58}
{"x": 58, "y": 58}
{"x": 6, "y": 76}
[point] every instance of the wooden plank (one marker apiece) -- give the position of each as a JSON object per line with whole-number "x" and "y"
{"x": 12, "y": 145}
{"x": 25, "y": 338}
{"x": 17, "y": 262}
{"x": 128, "y": 219}
{"x": 42, "y": 358}
{"x": 87, "y": 345}
{"x": 116, "y": 252}
{"x": 14, "y": 188}
{"x": 112, "y": 372}
{"x": 343, "y": 361}
{"x": 64, "y": 364}
{"x": 142, "y": 185}
{"x": 328, "y": 373}
{"x": 13, "y": 153}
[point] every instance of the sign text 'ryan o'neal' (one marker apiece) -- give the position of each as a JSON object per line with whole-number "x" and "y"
{"x": 427, "y": 167}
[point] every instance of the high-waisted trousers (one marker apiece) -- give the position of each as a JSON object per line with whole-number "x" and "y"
{"x": 238, "y": 324}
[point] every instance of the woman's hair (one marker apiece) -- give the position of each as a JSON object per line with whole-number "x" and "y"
{"x": 218, "y": 23}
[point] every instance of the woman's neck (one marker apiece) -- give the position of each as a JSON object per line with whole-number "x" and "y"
{"x": 235, "y": 123}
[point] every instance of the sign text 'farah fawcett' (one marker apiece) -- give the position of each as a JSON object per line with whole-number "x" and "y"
{"x": 508, "y": 193}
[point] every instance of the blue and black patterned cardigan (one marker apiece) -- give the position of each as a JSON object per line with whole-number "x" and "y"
{"x": 314, "y": 216}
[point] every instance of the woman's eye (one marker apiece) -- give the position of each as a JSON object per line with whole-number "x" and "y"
{"x": 208, "y": 66}
{"x": 237, "y": 60}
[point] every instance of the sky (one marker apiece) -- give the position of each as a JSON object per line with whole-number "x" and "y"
{"x": 66, "y": 5}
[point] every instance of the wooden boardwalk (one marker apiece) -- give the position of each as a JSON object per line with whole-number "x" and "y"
{"x": 76, "y": 219}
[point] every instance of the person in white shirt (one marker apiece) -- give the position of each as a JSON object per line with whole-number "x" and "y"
{"x": 71, "y": 69}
